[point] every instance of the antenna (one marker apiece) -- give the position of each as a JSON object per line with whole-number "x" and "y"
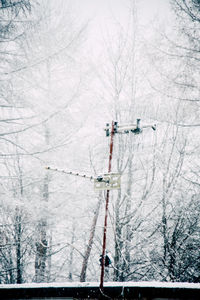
{"x": 108, "y": 181}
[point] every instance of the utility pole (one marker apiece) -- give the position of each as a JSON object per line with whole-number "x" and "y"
{"x": 106, "y": 208}
{"x": 111, "y": 131}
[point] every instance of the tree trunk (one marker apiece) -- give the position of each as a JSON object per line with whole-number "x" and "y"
{"x": 18, "y": 229}
{"x": 118, "y": 238}
{"x": 18, "y": 232}
{"x": 90, "y": 243}
{"x": 42, "y": 242}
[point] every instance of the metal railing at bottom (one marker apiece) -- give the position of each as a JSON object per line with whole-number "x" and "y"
{"x": 111, "y": 290}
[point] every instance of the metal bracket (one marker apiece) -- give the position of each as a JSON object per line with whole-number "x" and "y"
{"x": 109, "y": 181}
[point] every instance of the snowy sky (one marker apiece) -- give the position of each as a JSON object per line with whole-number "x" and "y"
{"x": 102, "y": 12}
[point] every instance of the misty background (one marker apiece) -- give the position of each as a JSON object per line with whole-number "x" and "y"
{"x": 68, "y": 68}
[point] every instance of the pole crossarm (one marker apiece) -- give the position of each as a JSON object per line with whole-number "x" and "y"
{"x": 135, "y": 128}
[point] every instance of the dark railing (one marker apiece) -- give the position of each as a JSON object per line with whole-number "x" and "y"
{"x": 112, "y": 290}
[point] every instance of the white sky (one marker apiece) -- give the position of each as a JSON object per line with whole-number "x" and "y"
{"x": 151, "y": 14}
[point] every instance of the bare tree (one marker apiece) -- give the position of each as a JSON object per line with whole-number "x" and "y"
{"x": 16, "y": 234}
{"x": 121, "y": 84}
{"x": 26, "y": 75}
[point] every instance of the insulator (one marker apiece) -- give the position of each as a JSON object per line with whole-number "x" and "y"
{"x": 107, "y": 129}
{"x": 115, "y": 127}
